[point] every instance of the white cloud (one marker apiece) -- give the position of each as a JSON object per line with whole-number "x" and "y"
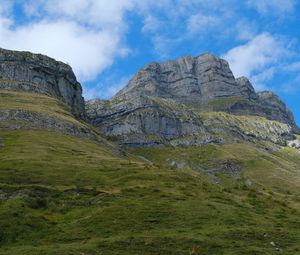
{"x": 151, "y": 24}
{"x": 245, "y": 30}
{"x": 171, "y": 23}
{"x": 291, "y": 86}
{"x": 277, "y": 7}
{"x": 87, "y": 34}
{"x": 259, "y": 59}
{"x": 92, "y": 12}
{"x": 293, "y": 67}
{"x": 88, "y": 52}
{"x": 256, "y": 55}
{"x": 260, "y": 79}
{"x": 201, "y": 23}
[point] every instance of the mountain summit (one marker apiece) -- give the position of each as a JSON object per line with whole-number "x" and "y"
{"x": 189, "y": 80}
{"x": 167, "y": 102}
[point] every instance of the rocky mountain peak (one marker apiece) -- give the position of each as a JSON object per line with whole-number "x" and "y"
{"x": 37, "y": 73}
{"x": 186, "y": 102}
{"x": 187, "y": 79}
{"x": 246, "y": 87}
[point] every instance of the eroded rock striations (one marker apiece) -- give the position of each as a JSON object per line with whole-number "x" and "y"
{"x": 25, "y": 71}
{"x": 188, "y": 79}
{"x": 167, "y": 103}
{"x": 207, "y": 83}
{"x": 56, "y": 99}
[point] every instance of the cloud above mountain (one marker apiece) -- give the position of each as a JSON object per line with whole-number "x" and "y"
{"x": 86, "y": 34}
{"x": 257, "y": 58}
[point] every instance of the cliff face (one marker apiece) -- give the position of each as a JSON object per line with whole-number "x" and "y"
{"x": 208, "y": 82}
{"x": 204, "y": 78}
{"x": 149, "y": 121}
{"x": 166, "y": 103}
{"x": 24, "y": 71}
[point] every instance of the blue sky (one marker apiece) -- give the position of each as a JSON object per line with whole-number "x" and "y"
{"x": 107, "y": 41}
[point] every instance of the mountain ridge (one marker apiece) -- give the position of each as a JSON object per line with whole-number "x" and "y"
{"x": 163, "y": 104}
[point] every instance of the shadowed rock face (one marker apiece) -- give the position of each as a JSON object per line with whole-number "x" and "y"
{"x": 267, "y": 105}
{"x": 40, "y": 74}
{"x": 147, "y": 121}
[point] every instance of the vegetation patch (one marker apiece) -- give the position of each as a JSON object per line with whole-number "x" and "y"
{"x": 225, "y": 102}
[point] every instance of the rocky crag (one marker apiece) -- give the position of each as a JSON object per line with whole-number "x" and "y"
{"x": 40, "y": 93}
{"x": 182, "y": 102}
{"x": 24, "y": 71}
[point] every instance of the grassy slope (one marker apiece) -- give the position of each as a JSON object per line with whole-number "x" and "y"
{"x": 35, "y": 103}
{"x": 65, "y": 195}
{"x": 279, "y": 171}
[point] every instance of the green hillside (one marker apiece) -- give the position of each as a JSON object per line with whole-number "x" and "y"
{"x": 67, "y": 194}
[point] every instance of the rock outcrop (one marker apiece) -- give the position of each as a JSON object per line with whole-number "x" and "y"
{"x": 294, "y": 144}
{"x": 37, "y": 73}
{"x": 147, "y": 121}
{"x": 165, "y": 104}
{"x": 267, "y": 105}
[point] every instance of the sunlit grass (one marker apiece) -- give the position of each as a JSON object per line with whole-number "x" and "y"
{"x": 62, "y": 194}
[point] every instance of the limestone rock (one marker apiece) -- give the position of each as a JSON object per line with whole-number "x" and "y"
{"x": 146, "y": 121}
{"x": 246, "y": 88}
{"x": 267, "y": 105}
{"x": 22, "y": 119}
{"x": 166, "y": 104}
{"x": 149, "y": 121}
{"x": 294, "y": 144}
{"x": 204, "y": 78}
{"x": 40, "y": 74}
{"x": 207, "y": 83}
{"x": 276, "y": 108}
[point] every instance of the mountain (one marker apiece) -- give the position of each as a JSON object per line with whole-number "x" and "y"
{"x": 171, "y": 104}
{"x": 202, "y": 168}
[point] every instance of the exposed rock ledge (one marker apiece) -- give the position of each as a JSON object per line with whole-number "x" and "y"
{"x": 37, "y": 73}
